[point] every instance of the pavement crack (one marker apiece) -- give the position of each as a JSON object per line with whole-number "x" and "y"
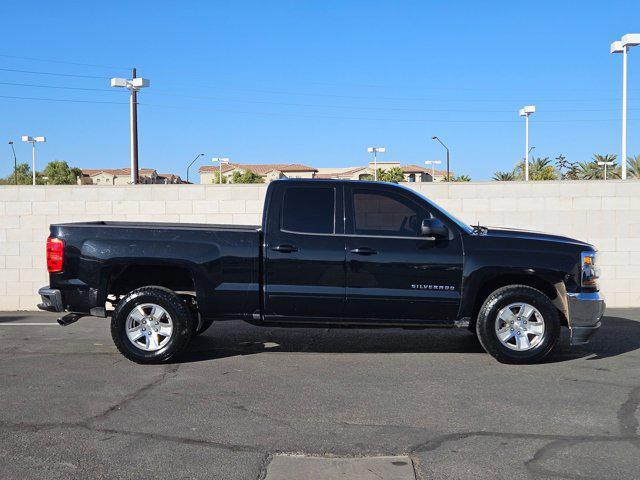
{"x": 545, "y": 452}
{"x": 181, "y": 440}
{"x": 264, "y": 464}
{"x": 169, "y": 372}
{"x": 39, "y": 427}
{"x": 275, "y": 420}
{"x": 627, "y": 414}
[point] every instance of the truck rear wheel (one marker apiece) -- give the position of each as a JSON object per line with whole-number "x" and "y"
{"x": 151, "y": 325}
{"x": 518, "y": 324}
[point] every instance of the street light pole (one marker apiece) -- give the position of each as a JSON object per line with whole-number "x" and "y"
{"x": 622, "y": 46}
{"x": 133, "y": 123}
{"x": 605, "y": 164}
{"x": 525, "y": 112}
{"x": 375, "y": 151}
{"x": 433, "y": 164}
{"x": 624, "y": 115}
{"x": 33, "y": 161}
{"x": 15, "y": 162}
{"x": 447, "y": 149}
{"x": 133, "y": 85}
{"x": 220, "y": 161}
{"x": 33, "y": 141}
{"x": 193, "y": 161}
{"x": 526, "y": 150}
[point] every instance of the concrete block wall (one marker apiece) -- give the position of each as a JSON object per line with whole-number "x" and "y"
{"x": 606, "y": 214}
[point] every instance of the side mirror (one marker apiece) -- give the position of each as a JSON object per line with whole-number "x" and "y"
{"x": 432, "y": 227}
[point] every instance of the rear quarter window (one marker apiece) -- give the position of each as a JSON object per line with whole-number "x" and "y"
{"x": 309, "y": 210}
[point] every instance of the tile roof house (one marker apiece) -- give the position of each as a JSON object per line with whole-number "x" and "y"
{"x": 273, "y": 171}
{"x": 122, "y": 176}
{"x": 268, "y": 171}
{"x": 412, "y": 173}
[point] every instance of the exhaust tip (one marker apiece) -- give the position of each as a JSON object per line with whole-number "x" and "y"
{"x": 69, "y": 318}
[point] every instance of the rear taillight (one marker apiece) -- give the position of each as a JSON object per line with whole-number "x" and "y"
{"x": 55, "y": 254}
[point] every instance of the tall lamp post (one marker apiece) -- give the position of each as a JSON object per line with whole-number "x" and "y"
{"x": 15, "y": 162}
{"x": 192, "y": 162}
{"x": 376, "y": 151}
{"x": 447, "y": 149}
{"x": 605, "y": 165}
{"x": 525, "y": 112}
{"x": 134, "y": 85}
{"x": 433, "y": 164}
{"x": 33, "y": 141}
{"x": 622, "y": 46}
{"x": 220, "y": 161}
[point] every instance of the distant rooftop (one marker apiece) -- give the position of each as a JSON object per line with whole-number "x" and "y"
{"x": 259, "y": 168}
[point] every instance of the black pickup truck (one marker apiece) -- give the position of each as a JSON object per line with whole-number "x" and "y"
{"x": 328, "y": 254}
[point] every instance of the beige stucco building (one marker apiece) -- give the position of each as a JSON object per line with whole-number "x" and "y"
{"x": 412, "y": 173}
{"x": 268, "y": 171}
{"x": 122, "y": 176}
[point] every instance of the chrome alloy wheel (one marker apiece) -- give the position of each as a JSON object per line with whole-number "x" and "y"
{"x": 149, "y": 327}
{"x": 520, "y": 327}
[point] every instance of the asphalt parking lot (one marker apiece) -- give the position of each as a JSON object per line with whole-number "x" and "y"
{"x": 72, "y": 407}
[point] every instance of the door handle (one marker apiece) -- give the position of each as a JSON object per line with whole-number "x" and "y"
{"x": 364, "y": 251}
{"x": 285, "y": 248}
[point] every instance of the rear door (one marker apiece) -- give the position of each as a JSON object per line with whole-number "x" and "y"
{"x": 393, "y": 272}
{"x": 305, "y": 253}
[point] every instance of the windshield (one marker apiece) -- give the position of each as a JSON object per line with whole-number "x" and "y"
{"x": 457, "y": 221}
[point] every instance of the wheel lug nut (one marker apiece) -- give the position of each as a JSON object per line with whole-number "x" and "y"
{"x": 143, "y": 329}
{"x": 512, "y": 329}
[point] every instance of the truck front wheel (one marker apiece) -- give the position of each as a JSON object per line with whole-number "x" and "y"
{"x": 518, "y": 324}
{"x": 151, "y": 325}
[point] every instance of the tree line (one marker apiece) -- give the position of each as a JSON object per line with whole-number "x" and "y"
{"x": 543, "y": 168}
{"x": 396, "y": 175}
{"x": 57, "y": 172}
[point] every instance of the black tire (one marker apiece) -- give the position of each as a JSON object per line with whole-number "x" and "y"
{"x": 486, "y": 324}
{"x": 183, "y": 324}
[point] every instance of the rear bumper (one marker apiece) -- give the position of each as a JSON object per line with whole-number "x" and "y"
{"x": 51, "y": 299}
{"x": 585, "y": 315}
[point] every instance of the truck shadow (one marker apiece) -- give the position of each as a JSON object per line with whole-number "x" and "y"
{"x": 618, "y": 335}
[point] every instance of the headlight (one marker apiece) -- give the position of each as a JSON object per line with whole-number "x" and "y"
{"x": 589, "y": 270}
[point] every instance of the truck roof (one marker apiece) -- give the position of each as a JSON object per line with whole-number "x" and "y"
{"x": 331, "y": 180}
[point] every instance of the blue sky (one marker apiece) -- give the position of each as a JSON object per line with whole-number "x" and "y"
{"x": 316, "y": 82}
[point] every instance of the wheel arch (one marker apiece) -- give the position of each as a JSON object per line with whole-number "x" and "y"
{"x": 122, "y": 278}
{"x": 554, "y": 290}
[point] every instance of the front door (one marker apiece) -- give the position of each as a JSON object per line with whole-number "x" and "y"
{"x": 305, "y": 255}
{"x": 393, "y": 272}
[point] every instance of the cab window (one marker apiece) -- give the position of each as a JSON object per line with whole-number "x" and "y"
{"x": 386, "y": 214}
{"x": 309, "y": 210}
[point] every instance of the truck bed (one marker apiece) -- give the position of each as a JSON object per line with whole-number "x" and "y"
{"x": 101, "y": 258}
{"x": 181, "y": 226}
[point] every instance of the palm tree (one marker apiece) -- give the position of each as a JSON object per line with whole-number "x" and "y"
{"x": 594, "y": 171}
{"x": 633, "y": 167}
{"x": 459, "y": 178}
{"x": 539, "y": 169}
{"x": 462, "y": 178}
{"x": 588, "y": 171}
{"x": 504, "y": 176}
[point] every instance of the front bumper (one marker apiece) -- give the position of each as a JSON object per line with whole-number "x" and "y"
{"x": 51, "y": 299}
{"x": 585, "y": 315}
